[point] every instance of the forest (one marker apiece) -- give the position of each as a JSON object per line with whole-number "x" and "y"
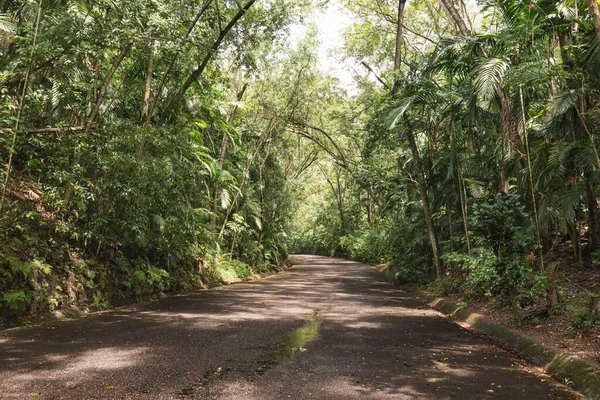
{"x": 149, "y": 147}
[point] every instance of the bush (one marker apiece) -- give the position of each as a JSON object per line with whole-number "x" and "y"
{"x": 497, "y": 265}
{"x": 502, "y": 224}
{"x": 370, "y": 245}
{"x": 583, "y": 316}
{"x": 411, "y": 258}
{"x": 222, "y": 270}
{"x": 485, "y": 274}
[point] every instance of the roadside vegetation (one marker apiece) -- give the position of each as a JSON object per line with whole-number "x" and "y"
{"x": 145, "y": 146}
{"x": 473, "y": 165}
{"x": 160, "y": 146}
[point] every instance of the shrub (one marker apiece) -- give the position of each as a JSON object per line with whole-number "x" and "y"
{"x": 222, "y": 270}
{"x": 411, "y": 259}
{"x": 485, "y": 274}
{"x": 583, "y": 315}
{"x": 370, "y": 245}
{"x": 502, "y": 224}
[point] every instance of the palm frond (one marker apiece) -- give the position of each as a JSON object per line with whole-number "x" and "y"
{"x": 562, "y": 102}
{"x": 7, "y": 27}
{"x": 476, "y": 188}
{"x": 397, "y": 113}
{"x": 225, "y": 199}
{"x": 489, "y": 76}
{"x": 560, "y": 206}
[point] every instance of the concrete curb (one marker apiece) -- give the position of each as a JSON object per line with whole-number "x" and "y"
{"x": 584, "y": 375}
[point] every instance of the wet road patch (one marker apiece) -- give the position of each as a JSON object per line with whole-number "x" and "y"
{"x": 294, "y": 343}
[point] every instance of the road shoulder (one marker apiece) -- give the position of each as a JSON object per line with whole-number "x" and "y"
{"x": 581, "y": 375}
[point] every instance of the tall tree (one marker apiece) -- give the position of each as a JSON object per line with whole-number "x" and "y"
{"x": 420, "y": 174}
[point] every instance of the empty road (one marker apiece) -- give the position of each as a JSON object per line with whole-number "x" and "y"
{"x": 324, "y": 329}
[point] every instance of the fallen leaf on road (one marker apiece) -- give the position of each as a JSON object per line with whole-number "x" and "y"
{"x": 111, "y": 387}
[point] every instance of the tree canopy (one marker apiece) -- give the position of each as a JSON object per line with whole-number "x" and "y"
{"x": 151, "y": 146}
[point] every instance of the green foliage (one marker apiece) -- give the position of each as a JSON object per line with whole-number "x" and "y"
{"x": 595, "y": 258}
{"x": 497, "y": 266}
{"x": 15, "y": 300}
{"x": 483, "y": 273}
{"x": 503, "y": 224}
{"x": 123, "y": 181}
{"x": 583, "y": 316}
{"x": 116, "y": 192}
{"x": 411, "y": 259}
{"x": 222, "y": 270}
{"x": 370, "y": 245}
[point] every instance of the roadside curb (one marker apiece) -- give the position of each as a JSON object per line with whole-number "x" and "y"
{"x": 584, "y": 375}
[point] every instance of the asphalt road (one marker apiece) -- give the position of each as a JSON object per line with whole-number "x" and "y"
{"x": 324, "y": 329}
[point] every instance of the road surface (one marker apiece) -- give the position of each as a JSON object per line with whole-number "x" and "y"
{"x": 324, "y": 329}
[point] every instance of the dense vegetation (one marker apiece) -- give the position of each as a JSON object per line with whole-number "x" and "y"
{"x": 475, "y": 161}
{"x": 146, "y": 146}
{"x": 151, "y": 146}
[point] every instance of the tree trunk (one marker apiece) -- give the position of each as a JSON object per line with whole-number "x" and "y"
{"x": 463, "y": 206}
{"x": 222, "y": 153}
{"x": 399, "y": 35}
{"x": 564, "y": 52}
{"x": 456, "y": 17}
{"x": 593, "y": 215}
{"x": 147, "y": 94}
{"x": 508, "y": 126}
{"x": 104, "y": 88}
{"x": 148, "y": 87}
{"x": 161, "y": 85}
{"x": 552, "y": 295}
{"x": 450, "y": 222}
{"x": 595, "y": 12}
{"x": 340, "y": 196}
{"x": 91, "y": 118}
{"x": 369, "y": 205}
{"x": 433, "y": 236}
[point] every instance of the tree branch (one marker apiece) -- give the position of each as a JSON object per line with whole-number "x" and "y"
{"x": 66, "y": 129}
{"x": 198, "y": 71}
{"x": 368, "y": 67}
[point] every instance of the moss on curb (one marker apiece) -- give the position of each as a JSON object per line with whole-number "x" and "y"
{"x": 584, "y": 375}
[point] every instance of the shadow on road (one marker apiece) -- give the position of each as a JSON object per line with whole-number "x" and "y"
{"x": 375, "y": 342}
